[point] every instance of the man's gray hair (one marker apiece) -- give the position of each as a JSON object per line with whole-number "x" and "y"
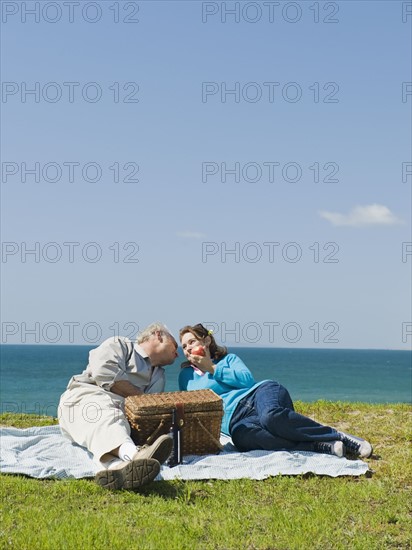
{"x": 152, "y": 329}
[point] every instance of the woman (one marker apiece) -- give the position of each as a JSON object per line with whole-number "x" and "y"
{"x": 256, "y": 415}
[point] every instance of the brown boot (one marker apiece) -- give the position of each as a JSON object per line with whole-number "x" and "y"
{"x": 160, "y": 450}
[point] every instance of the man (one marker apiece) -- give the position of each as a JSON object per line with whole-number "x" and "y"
{"x": 91, "y": 411}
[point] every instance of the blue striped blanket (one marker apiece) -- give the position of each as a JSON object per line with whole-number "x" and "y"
{"x": 43, "y": 452}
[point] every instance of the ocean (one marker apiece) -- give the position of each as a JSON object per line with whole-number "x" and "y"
{"x": 32, "y": 377}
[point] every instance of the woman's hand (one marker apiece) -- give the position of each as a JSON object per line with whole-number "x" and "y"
{"x": 202, "y": 362}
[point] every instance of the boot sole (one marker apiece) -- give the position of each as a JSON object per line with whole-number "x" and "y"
{"x": 131, "y": 476}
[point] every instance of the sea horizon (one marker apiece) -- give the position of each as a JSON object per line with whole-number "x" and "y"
{"x": 33, "y": 376}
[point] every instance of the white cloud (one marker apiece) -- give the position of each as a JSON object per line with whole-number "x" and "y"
{"x": 371, "y": 214}
{"x": 190, "y": 235}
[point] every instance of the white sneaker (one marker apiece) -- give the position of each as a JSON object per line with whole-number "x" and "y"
{"x": 330, "y": 448}
{"x": 356, "y": 445}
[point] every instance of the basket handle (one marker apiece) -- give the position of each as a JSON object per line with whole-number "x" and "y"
{"x": 212, "y": 437}
{"x": 153, "y": 436}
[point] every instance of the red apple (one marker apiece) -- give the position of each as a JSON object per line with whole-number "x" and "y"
{"x": 198, "y": 350}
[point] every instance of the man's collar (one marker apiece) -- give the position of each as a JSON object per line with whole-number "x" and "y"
{"x": 141, "y": 351}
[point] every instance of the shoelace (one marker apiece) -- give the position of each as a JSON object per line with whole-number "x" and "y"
{"x": 129, "y": 458}
{"x": 351, "y": 445}
{"x": 324, "y": 448}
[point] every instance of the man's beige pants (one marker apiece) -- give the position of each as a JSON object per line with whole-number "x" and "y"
{"x": 93, "y": 418}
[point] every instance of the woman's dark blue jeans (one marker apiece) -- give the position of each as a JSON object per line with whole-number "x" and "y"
{"x": 266, "y": 420}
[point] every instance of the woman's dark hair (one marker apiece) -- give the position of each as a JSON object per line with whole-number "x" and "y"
{"x": 200, "y": 332}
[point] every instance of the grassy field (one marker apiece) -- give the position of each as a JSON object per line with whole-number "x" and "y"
{"x": 282, "y": 513}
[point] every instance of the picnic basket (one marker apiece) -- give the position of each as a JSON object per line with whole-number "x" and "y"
{"x": 200, "y": 415}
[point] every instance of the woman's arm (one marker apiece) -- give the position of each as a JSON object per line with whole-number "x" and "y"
{"x": 185, "y": 375}
{"x": 232, "y": 371}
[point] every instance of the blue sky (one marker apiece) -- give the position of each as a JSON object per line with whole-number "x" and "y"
{"x": 314, "y": 137}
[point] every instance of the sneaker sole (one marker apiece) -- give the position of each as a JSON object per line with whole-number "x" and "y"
{"x": 359, "y": 454}
{"x": 160, "y": 453}
{"x": 132, "y": 476}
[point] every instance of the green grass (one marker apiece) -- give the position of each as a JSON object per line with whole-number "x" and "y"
{"x": 282, "y": 513}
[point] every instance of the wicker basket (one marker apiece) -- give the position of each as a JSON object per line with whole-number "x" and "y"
{"x": 150, "y": 415}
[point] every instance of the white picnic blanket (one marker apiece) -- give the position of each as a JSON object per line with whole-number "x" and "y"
{"x": 43, "y": 452}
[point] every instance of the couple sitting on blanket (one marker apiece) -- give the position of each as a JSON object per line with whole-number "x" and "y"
{"x": 256, "y": 415}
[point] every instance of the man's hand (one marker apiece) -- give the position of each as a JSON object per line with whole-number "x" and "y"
{"x": 124, "y": 388}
